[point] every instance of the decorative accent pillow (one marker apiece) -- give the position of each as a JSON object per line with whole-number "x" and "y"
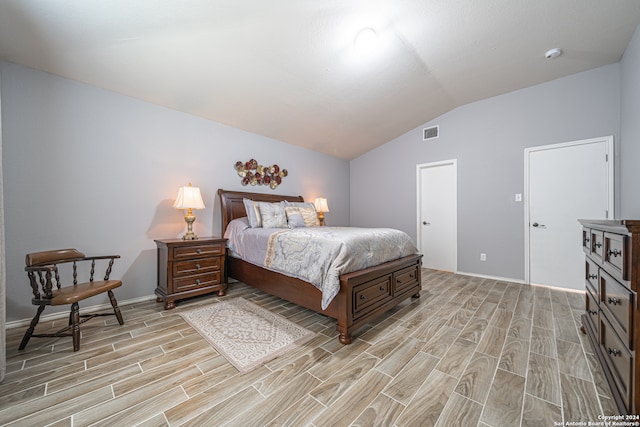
{"x": 294, "y": 217}
{"x": 273, "y": 215}
{"x": 253, "y": 213}
{"x": 307, "y": 210}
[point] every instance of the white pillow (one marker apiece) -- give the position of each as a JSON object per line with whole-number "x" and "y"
{"x": 253, "y": 213}
{"x": 272, "y": 215}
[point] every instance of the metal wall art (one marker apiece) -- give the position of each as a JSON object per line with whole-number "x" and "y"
{"x": 253, "y": 173}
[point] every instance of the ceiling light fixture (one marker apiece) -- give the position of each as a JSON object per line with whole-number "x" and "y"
{"x": 366, "y": 40}
{"x": 553, "y": 53}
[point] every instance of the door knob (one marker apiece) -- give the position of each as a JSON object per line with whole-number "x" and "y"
{"x": 535, "y": 224}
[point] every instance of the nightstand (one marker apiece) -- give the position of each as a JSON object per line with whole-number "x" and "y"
{"x": 187, "y": 268}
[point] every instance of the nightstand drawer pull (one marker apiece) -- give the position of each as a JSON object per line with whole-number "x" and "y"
{"x": 362, "y": 297}
{"x": 614, "y": 301}
{"x": 614, "y": 351}
{"x": 382, "y": 288}
{"x": 598, "y": 245}
{"x": 614, "y": 252}
{"x": 593, "y": 312}
{"x": 593, "y": 276}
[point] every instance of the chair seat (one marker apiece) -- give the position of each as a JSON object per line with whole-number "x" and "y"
{"x": 71, "y": 294}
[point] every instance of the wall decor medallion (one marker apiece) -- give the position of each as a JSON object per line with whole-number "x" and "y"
{"x": 255, "y": 174}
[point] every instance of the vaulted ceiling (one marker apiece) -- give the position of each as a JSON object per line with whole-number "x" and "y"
{"x": 288, "y": 69}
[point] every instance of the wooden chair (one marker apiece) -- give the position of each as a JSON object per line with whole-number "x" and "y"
{"x": 42, "y": 269}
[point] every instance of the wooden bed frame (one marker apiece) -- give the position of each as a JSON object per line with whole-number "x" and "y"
{"x": 363, "y": 295}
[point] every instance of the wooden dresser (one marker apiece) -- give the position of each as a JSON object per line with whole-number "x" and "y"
{"x": 187, "y": 268}
{"x": 612, "y": 278}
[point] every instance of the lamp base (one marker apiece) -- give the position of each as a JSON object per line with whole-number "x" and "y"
{"x": 189, "y": 218}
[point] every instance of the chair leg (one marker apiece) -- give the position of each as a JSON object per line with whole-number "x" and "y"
{"x": 32, "y": 326}
{"x": 75, "y": 327}
{"x": 116, "y": 310}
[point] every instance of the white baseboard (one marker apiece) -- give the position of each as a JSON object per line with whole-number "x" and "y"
{"x": 502, "y": 279}
{"x": 65, "y": 314}
{"x": 522, "y": 282}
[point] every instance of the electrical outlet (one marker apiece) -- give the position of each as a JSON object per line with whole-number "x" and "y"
{"x": 483, "y": 257}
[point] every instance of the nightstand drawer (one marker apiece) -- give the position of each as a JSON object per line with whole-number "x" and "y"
{"x": 197, "y": 281}
{"x": 204, "y": 265}
{"x": 198, "y": 251}
{"x": 618, "y": 301}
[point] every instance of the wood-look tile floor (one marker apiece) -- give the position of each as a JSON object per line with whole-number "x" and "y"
{"x": 469, "y": 352}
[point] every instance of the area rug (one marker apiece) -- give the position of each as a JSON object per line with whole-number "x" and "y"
{"x": 246, "y": 334}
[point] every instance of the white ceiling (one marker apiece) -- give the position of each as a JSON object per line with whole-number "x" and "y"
{"x": 287, "y": 69}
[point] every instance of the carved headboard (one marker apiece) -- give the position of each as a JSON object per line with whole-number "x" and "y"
{"x": 232, "y": 206}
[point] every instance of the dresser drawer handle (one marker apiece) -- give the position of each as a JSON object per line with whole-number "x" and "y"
{"x": 197, "y": 266}
{"x": 593, "y": 312}
{"x": 598, "y": 245}
{"x": 614, "y": 252}
{"x": 614, "y": 301}
{"x": 362, "y": 297}
{"x": 593, "y": 276}
{"x": 586, "y": 239}
{"x": 199, "y": 251}
{"x": 614, "y": 351}
{"x": 197, "y": 281}
{"x": 382, "y": 288}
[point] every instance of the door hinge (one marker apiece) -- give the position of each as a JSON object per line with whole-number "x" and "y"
{"x": 606, "y": 214}
{"x": 606, "y": 157}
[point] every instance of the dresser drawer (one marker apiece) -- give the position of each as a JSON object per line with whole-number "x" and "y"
{"x": 592, "y": 310}
{"x": 198, "y": 251}
{"x": 618, "y": 359}
{"x": 371, "y": 293}
{"x": 405, "y": 279}
{"x": 586, "y": 240}
{"x": 196, "y": 281}
{"x": 615, "y": 254}
{"x": 618, "y": 302}
{"x": 591, "y": 275}
{"x": 597, "y": 243}
{"x": 197, "y": 266}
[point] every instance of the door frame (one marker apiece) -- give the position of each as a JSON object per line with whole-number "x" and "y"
{"x": 608, "y": 140}
{"x": 419, "y": 168}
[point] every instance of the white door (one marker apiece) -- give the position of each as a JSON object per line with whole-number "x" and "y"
{"x": 565, "y": 182}
{"x": 437, "y": 215}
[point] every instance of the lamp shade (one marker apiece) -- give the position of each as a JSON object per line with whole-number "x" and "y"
{"x": 321, "y": 204}
{"x": 189, "y": 198}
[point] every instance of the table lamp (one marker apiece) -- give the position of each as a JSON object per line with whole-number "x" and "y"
{"x": 321, "y": 207}
{"x": 189, "y": 198}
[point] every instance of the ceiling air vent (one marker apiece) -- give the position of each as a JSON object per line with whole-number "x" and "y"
{"x": 430, "y": 133}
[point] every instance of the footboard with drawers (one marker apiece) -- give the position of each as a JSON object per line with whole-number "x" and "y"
{"x": 612, "y": 279}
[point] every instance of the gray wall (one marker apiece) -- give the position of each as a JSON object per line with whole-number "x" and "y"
{"x": 488, "y": 138}
{"x": 92, "y": 169}
{"x": 630, "y": 129}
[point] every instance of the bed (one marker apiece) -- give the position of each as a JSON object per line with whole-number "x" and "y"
{"x": 363, "y": 295}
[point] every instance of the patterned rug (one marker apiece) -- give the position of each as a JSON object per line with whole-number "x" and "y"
{"x": 245, "y": 334}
